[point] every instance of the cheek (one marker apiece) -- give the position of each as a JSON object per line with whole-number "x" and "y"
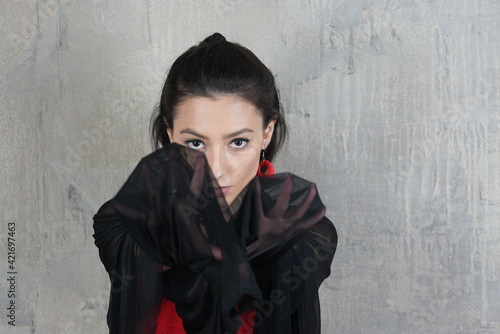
{"x": 244, "y": 167}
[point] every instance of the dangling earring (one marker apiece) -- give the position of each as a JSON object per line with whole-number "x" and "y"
{"x": 265, "y": 166}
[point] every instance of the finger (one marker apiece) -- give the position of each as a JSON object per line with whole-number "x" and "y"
{"x": 306, "y": 203}
{"x": 311, "y": 221}
{"x": 216, "y": 252}
{"x": 306, "y": 224}
{"x": 197, "y": 180}
{"x": 281, "y": 205}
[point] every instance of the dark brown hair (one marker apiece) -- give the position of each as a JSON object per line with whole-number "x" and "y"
{"x": 213, "y": 68}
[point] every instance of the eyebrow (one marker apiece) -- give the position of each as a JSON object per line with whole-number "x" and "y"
{"x": 234, "y": 134}
{"x": 192, "y": 132}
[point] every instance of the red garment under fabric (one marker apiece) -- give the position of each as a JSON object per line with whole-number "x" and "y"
{"x": 169, "y": 322}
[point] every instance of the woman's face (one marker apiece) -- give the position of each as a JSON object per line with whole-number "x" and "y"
{"x": 229, "y": 130}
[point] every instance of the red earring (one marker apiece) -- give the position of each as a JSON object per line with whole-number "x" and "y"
{"x": 265, "y": 166}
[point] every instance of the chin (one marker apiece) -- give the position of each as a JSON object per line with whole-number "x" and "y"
{"x": 229, "y": 199}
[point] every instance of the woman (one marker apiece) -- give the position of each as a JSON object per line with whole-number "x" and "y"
{"x": 194, "y": 242}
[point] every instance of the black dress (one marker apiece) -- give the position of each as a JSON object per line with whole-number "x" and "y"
{"x": 269, "y": 250}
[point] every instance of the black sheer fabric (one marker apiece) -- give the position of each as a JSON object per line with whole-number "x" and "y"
{"x": 270, "y": 249}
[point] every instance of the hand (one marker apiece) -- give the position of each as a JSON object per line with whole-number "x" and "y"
{"x": 196, "y": 187}
{"x": 279, "y": 221}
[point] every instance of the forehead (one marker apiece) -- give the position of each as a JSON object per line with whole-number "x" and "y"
{"x": 223, "y": 112}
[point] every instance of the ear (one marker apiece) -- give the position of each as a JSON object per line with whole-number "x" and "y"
{"x": 170, "y": 135}
{"x": 268, "y": 133}
{"x": 169, "y": 131}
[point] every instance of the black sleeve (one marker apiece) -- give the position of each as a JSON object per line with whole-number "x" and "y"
{"x": 291, "y": 281}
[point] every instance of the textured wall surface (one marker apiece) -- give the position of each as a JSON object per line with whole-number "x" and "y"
{"x": 394, "y": 111}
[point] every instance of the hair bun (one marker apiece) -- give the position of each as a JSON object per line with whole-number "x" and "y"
{"x": 216, "y": 37}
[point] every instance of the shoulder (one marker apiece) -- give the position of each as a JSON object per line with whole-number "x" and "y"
{"x": 323, "y": 238}
{"x": 105, "y": 211}
{"x": 326, "y": 228}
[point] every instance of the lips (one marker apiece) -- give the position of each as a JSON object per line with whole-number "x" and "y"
{"x": 221, "y": 191}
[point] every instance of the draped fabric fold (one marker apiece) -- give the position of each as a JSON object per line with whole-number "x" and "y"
{"x": 225, "y": 259}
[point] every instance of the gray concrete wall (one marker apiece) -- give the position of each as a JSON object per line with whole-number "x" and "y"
{"x": 394, "y": 111}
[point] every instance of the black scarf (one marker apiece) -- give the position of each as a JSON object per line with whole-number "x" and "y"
{"x": 270, "y": 249}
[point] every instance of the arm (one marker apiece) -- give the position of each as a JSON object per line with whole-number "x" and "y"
{"x": 290, "y": 280}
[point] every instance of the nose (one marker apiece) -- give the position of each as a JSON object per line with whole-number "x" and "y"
{"x": 217, "y": 160}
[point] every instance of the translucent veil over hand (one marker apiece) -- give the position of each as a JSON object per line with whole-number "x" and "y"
{"x": 170, "y": 212}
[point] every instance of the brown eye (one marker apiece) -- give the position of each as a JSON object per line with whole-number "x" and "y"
{"x": 195, "y": 144}
{"x": 239, "y": 143}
